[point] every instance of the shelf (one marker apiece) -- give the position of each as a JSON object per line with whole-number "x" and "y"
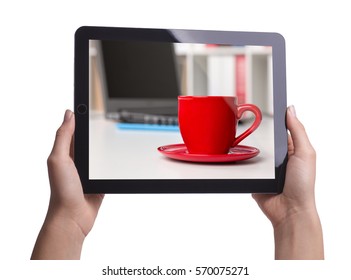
{"x": 203, "y": 50}
{"x": 214, "y": 70}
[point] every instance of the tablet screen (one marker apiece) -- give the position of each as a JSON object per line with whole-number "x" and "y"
{"x": 138, "y": 81}
{"x": 202, "y": 70}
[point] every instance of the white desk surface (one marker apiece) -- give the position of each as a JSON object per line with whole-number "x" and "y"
{"x": 133, "y": 154}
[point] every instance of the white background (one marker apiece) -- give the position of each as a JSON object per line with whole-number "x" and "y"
{"x": 36, "y": 86}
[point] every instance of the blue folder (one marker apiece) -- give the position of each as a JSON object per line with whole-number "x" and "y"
{"x": 144, "y": 126}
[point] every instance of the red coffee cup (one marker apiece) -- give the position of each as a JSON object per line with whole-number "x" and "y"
{"x": 208, "y": 124}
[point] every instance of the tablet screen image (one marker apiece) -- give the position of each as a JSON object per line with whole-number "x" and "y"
{"x": 142, "y": 139}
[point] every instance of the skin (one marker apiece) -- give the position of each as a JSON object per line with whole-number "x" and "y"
{"x": 293, "y": 213}
{"x": 71, "y": 213}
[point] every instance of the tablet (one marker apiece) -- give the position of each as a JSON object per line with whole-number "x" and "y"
{"x": 127, "y": 87}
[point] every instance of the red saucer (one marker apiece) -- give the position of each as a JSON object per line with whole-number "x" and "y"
{"x": 180, "y": 152}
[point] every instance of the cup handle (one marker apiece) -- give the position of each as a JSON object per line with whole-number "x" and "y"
{"x": 258, "y": 118}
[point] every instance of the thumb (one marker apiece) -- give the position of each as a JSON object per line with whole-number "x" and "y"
{"x": 64, "y": 135}
{"x": 297, "y": 131}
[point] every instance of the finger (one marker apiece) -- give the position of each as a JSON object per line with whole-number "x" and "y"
{"x": 257, "y": 197}
{"x": 262, "y": 199}
{"x": 290, "y": 145}
{"x": 95, "y": 200}
{"x": 71, "y": 151}
{"x": 297, "y": 131}
{"x": 64, "y": 134}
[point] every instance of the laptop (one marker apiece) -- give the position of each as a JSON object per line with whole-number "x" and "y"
{"x": 140, "y": 82}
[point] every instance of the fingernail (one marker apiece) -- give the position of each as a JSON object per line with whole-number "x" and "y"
{"x": 68, "y": 115}
{"x": 292, "y": 110}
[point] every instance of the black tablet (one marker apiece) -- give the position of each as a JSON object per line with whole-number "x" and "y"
{"x": 130, "y": 129}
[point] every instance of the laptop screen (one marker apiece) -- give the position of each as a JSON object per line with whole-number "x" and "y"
{"x": 140, "y": 69}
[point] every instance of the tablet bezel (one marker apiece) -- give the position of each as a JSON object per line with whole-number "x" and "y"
{"x": 81, "y": 107}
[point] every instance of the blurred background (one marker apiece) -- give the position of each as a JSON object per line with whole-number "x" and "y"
{"x": 133, "y": 70}
{"x": 36, "y": 70}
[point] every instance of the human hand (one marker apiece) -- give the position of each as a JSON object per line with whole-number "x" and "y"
{"x": 293, "y": 213}
{"x": 71, "y": 213}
